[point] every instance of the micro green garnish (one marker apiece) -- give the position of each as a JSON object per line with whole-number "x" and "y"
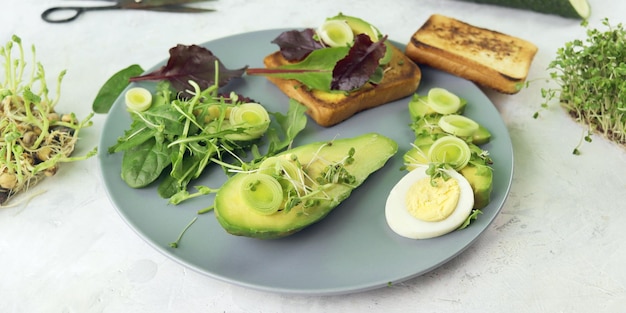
{"x": 34, "y": 138}
{"x": 182, "y": 233}
{"x": 336, "y": 173}
{"x": 591, "y": 75}
{"x": 437, "y": 170}
{"x": 284, "y": 177}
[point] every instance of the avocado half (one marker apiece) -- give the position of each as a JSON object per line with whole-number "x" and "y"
{"x": 237, "y": 217}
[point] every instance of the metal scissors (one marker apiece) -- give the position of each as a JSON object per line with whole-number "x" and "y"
{"x": 70, "y": 13}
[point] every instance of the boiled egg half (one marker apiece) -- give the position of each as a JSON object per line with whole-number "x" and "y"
{"x": 417, "y": 209}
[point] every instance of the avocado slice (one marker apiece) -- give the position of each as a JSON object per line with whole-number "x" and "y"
{"x": 367, "y": 154}
{"x": 424, "y": 125}
{"x": 480, "y": 178}
{"x": 481, "y": 136}
{"x": 358, "y": 26}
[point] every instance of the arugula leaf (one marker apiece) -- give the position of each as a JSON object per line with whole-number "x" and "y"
{"x": 192, "y": 63}
{"x": 359, "y": 65}
{"x": 291, "y": 125}
{"x": 113, "y": 87}
{"x": 295, "y": 45}
{"x": 136, "y": 135}
{"x": 473, "y": 216}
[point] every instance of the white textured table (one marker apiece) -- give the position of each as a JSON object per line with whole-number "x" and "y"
{"x": 557, "y": 246}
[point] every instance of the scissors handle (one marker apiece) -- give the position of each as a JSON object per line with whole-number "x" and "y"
{"x": 70, "y": 13}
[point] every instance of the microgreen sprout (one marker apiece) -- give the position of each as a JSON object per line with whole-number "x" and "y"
{"x": 437, "y": 170}
{"x": 591, "y": 75}
{"x": 34, "y": 138}
{"x": 298, "y": 186}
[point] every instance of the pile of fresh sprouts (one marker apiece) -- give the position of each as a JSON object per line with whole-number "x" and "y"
{"x": 34, "y": 138}
{"x": 591, "y": 78}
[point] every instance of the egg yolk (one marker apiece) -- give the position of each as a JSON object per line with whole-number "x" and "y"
{"x": 433, "y": 203}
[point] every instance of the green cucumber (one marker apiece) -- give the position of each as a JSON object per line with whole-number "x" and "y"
{"x": 577, "y": 9}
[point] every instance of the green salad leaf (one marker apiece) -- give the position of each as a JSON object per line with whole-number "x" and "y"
{"x": 113, "y": 87}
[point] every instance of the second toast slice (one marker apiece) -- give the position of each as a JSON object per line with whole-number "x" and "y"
{"x": 486, "y": 57}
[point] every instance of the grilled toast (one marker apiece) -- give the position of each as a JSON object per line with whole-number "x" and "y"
{"x": 486, "y": 57}
{"x": 401, "y": 79}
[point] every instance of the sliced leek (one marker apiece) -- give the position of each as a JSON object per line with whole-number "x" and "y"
{"x": 450, "y": 150}
{"x": 138, "y": 99}
{"x": 458, "y": 125}
{"x": 442, "y": 101}
{"x": 336, "y": 33}
{"x": 262, "y": 192}
{"x": 251, "y": 118}
{"x": 287, "y": 171}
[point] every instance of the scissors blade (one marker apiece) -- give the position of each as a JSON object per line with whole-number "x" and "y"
{"x": 166, "y": 5}
{"x": 178, "y": 9}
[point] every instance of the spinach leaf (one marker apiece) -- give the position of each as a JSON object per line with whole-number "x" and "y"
{"x": 136, "y": 135}
{"x": 144, "y": 163}
{"x": 113, "y": 88}
{"x": 315, "y": 71}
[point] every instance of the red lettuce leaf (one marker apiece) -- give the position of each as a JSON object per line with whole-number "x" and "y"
{"x": 193, "y": 63}
{"x": 359, "y": 65}
{"x": 296, "y": 45}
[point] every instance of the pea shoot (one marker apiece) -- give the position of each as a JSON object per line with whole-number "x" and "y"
{"x": 34, "y": 138}
{"x": 591, "y": 75}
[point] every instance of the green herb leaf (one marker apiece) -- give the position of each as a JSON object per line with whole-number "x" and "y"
{"x": 144, "y": 163}
{"x": 470, "y": 218}
{"x": 113, "y": 88}
{"x": 315, "y": 71}
{"x": 291, "y": 124}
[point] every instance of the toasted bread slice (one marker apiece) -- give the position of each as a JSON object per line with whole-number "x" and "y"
{"x": 486, "y": 57}
{"x": 327, "y": 109}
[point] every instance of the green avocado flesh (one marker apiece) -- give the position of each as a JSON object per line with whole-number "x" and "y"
{"x": 238, "y": 217}
{"x": 477, "y": 172}
{"x": 358, "y": 26}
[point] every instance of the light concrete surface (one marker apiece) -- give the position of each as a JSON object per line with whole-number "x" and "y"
{"x": 557, "y": 245}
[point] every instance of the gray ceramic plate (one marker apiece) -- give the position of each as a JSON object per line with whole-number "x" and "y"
{"x": 352, "y": 249}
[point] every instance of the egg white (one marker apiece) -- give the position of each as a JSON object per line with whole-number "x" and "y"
{"x": 404, "y": 224}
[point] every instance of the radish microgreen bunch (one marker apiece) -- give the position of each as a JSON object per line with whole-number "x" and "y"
{"x": 34, "y": 138}
{"x": 591, "y": 75}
